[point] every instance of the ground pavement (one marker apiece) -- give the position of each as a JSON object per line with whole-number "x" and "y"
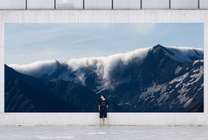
{"x": 104, "y": 133}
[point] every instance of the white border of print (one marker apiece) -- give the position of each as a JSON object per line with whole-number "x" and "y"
{"x": 103, "y": 16}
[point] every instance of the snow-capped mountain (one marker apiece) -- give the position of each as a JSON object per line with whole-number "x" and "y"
{"x": 103, "y": 69}
{"x": 149, "y": 80}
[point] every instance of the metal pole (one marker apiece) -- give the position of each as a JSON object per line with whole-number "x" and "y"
{"x": 25, "y": 4}
{"x": 83, "y": 4}
{"x": 169, "y": 4}
{"x": 112, "y": 4}
{"x": 141, "y": 4}
{"x": 198, "y": 4}
{"x": 54, "y": 4}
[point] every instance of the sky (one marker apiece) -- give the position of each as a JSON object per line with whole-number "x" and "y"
{"x": 26, "y": 43}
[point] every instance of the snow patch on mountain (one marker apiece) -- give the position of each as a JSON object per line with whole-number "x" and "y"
{"x": 197, "y": 61}
{"x": 177, "y": 70}
{"x": 179, "y": 79}
{"x": 188, "y": 102}
{"x": 180, "y": 83}
{"x": 184, "y": 54}
{"x": 151, "y": 90}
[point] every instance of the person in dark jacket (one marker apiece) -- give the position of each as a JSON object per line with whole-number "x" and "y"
{"x": 103, "y": 105}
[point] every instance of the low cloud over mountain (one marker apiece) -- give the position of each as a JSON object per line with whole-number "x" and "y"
{"x": 150, "y": 80}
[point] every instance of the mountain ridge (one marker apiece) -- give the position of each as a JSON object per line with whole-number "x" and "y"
{"x": 157, "y": 79}
{"x": 76, "y": 96}
{"x": 102, "y": 67}
{"x": 22, "y": 97}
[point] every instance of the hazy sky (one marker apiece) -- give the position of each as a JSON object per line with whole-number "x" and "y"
{"x": 29, "y": 42}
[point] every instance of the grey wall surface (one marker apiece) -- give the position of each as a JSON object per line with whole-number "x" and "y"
{"x": 203, "y": 4}
{"x": 126, "y": 4}
{"x": 69, "y": 4}
{"x": 40, "y": 4}
{"x": 155, "y": 4}
{"x": 184, "y": 4}
{"x": 98, "y": 4}
{"x": 12, "y": 4}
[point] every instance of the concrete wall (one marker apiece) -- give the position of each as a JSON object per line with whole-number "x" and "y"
{"x": 106, "y": 16}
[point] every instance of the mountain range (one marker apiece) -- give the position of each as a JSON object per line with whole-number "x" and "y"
{"x": 157, "y": 79}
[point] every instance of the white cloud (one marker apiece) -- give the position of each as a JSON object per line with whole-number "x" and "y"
{"x": 36, "y": 69}
{"x": 103, "y": 66}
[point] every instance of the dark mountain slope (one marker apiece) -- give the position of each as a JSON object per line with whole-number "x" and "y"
{"x": 73, "y": 94}
{"x": 198, "y": 108}
{"x": 22, "y": 97}
{"x": 159, "y": 84}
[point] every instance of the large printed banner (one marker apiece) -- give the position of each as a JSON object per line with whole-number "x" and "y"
{"x": 51, "y": 67}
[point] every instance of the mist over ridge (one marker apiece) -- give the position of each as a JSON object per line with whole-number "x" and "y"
{"x": 103, "y": 67}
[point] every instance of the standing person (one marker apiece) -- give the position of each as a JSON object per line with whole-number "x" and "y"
{"x": 103, "y": 105}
